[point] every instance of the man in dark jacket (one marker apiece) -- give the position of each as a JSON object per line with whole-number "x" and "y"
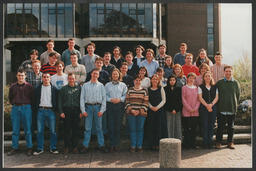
{"x": 46, "y": 104}
{"x": 69, "y": 110}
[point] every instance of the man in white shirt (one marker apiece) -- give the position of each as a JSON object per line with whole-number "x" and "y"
{"x": 60, "y": 79}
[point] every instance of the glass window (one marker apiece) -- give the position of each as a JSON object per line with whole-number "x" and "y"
{"x": 68, "y": 20}
{"x": 36, "y": 24}
{"x": 52, "y": 19}
{"x": 44, "y": 20}
{"x": 210, "y": 29}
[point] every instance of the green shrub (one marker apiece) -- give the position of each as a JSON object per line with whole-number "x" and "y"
{"x": 7, "y": 110}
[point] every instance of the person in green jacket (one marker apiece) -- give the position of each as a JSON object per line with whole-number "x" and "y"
{"x": 69, "y": 110}
{"x": 229, "y": 93}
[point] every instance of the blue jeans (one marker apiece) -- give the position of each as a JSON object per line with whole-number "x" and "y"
{"x": 24, "y": 114}
{"x": 114, "y": 115}
{"x": 92, "y": 111}
{"x": 207, "y": 124}
{"x": 49, "y": 116}
{"x": 136, "y": 129}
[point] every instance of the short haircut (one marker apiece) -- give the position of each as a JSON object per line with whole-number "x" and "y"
{"x": 218, "y": 53}
{"x": 169, "y": 78}
{"x": 183, "y": 44}
{"x": 124, "y": 63}
{"x": 71, "y": 39}
{"x": 120, "y": 74}
{"x": 60, "y": 62}
{"x": 95, "y": 69}
{"x": 129, "y": 53}
{"x": 91, "y": 44}
{"x": 189, "y": 54}
{"x": 53, "y": 54}
{"x": 33, "y": 51}
{"x": 228, "y": 66}
{"x": 98, "y": 59}
{"x": 161, "y": 45}
{"x": 191, "y": 74}
{"x": 21, "y": 71}
{"x": 107, "y": 53}
{"x": 137, "y": 77}
{"x": 73, "y": 53}
{"x": 141, "y": 47}
{"x": 71, "y": 73}
{"x": 46, "y": 73}
{"x": 151, "y": 51}
{"x": 50, "y": 40}
{"x": 36, "y": 61}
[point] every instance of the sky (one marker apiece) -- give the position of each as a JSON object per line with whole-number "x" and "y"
{"x": 236, "y": 31}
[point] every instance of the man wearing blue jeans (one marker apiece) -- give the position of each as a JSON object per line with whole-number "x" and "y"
{"x": 93, "y": 105}
{"x": 46, "y": 105}
{"x": 20, "y": 96}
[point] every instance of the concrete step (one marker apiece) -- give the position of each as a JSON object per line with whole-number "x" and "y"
{"x": 239, "y": 129}
{"x": 238, "y": 139}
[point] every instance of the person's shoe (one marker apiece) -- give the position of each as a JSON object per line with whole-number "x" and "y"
{"x": 231, "y": 145}
{"x": 111, "y": 149}
{"x": 75, "y": 151}
{"x": 140, "y": 150}
{"x": 12, "y": 152}
{"x": 54, "y": 151}
{"x": 103, "y": 150}
{"x": 84, "y": 150}
{"x": 38, "y": 152}
{"x": 116, "y": 149}
{"x": 132, "y": 149}
{"x": 29, "y": 152}
{"x": 218, "y": 146}
{"x": 65, "y": 151}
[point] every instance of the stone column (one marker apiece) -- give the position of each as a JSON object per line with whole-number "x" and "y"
{"x": 170, "y": 153}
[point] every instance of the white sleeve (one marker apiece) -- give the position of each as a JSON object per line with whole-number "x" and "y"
{"x": 199, "y": 90}
{"x": 163, "y": 99}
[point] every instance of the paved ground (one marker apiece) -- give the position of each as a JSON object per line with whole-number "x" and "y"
{"x": 241, "y": 157}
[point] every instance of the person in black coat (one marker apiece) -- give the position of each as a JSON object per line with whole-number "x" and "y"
{"x": 173, "y": 108}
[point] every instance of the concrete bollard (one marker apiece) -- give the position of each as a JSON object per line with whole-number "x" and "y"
{"x": 170, "y": 153}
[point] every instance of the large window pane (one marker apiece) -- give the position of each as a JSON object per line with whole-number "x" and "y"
{"x": 35, "y": 13}
{"x": 68, "y": 20}
{"x": 60, "y": 19}
{"x": 93, "y": 18}
{"x": 44, "y": 20}
{"x": 149, "y": 18}
{"x": 52, "y": 20}
{"x": 10, "y": 20}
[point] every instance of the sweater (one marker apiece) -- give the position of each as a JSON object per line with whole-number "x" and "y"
{"x": 190, "y": 101}
{"x": 173, "y": 99}
{"x": 229, "y": 94}
{"x": 69, "y": 97}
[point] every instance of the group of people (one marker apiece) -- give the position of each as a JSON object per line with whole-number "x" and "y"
{"x": 161, "y": 96}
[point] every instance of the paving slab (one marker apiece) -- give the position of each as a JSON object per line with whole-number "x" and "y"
{"x": 241, "y": 157}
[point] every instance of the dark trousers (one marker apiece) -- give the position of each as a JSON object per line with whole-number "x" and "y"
{"x": 71, "y": 126}
{"x": 207, "y": 124}
{"x": 189, "y": 125}
{"x": 114, "y": 117}
{"x": 222, "y": 120}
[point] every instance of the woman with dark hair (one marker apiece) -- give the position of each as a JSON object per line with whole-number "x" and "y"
{"x": 117, "y": 59}
{"x": 143, "y": 74}
{"x": 208, "y": 96}
{"x": 115, "y": 95}
{"x": 155, "y": 127}
{"x": 136, "y": 108}
{"x": 180, "y": 77}
{"x": 203, "y": 58}
{"x": 173, "y": 108}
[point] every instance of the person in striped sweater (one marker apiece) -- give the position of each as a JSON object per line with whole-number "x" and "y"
{"x": 50, "y": 66}
{"x": 136, "y": 108}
